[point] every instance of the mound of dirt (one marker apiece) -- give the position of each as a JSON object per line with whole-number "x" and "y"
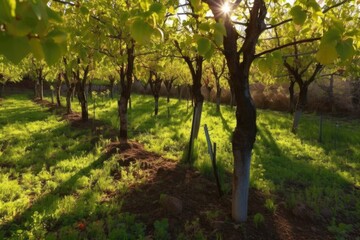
{"x": 201, "y": 207}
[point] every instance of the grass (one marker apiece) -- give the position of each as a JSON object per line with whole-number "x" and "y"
{"x": 324, "y": 176}
{"x": 64, "y": 177}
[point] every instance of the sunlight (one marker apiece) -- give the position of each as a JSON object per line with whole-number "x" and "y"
{"x": 226, "y": 8}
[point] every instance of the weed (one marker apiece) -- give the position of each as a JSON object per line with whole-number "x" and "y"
{"x": 161, "y": 228}
{"x": 258, "y": 219}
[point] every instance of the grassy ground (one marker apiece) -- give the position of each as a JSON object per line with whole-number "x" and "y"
{"x": 62, "y": 174}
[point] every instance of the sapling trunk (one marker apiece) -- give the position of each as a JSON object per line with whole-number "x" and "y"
{"x": 122, "y": 106}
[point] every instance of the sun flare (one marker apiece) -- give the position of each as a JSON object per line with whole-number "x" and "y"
{"x": 226, "y": 8}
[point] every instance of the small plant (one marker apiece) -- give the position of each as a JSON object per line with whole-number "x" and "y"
{"x": 340, "y": 230}
{"x": 258, "y": 219}
{"x": 161, "y": 228}
{"x": 270, "y": 205}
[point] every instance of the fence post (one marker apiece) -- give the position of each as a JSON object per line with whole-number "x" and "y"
{"x": 212, "y": 153}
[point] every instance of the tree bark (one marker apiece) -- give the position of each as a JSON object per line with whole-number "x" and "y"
{"x": 58, "y": 91}
{"x": 90, "y": 90}
{"x": 41, "y": 86}
{"x": 69, "y": 92}
{"x": 2, "y": 90}
{"x": 300, "y": 106}
{"x": 245, "y": 131}
{"x": 126, "y": 74}
{"x": 292, "y": 97}
{"x": 218, "y": 98}
{"x": 156, "y": 105}
{"x": 122, "y": 106}
{"x": 83, "y": 102}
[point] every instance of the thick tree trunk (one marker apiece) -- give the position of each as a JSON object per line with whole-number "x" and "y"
{"x": 156, "y": 105}
{"x": 292, "y": 97}
{"x": 83, "y": 102}
{"x": 122, "y": 107}
{"x": 300, "y": 106}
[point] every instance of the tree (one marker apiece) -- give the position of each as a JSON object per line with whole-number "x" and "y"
{"x": 30, "y": 27}
{"x": 8, "y": 73}
{"x": 218, "y": 70}
{"x": 239, "y": 60}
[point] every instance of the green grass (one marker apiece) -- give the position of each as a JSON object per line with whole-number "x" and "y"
{"x": 56, "y": 170}
{"x": 325, "y": 176}
{"x": 53, "y": 177}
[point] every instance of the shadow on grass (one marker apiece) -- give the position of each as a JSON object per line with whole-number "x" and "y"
{"x": 45, "y": 202}
{"x": 325, "y": 192}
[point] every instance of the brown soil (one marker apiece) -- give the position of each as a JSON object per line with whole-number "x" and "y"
{"x": 199, "y": 198}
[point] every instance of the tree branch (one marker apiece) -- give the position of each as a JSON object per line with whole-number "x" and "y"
{"x": 287, "y": 45}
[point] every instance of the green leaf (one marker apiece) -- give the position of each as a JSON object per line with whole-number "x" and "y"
{"x": 145, "y": 4}
{"x": 204, "y": 45}
{"x": 156, "y": 7}
{"x": 196, "y": 4}
{"x": 84, "y": 10}
{"x": 141, "y": 31}
{"x": 298, "y": 15}
{"x": 5, "y": 11}
{"x": 220, "y": 28}
{"x": 204, "y": 26}
{"x": 14, "y": 48}
{"x": 332, "y": 36}
{"x": 345, "y": 49}
{"x": 36, "y": 48}
{"x": 54, "y": 16}
{"x": 327, "y": 54}
{"x": 58, "y": 36}
{"x": 52, "y": 51}
{"x": 171, "y": 10}
{"x": 18, "y": 28}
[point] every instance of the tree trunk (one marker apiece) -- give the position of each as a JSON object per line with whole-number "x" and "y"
{"x": 52, "y": 96}
{"x": 112, "y": 91}
{"x": 179, "y": 92}
{"x": 68, "y": 98}
{"x": 197, "y": 118}
{"x": 83, "y": 102}
{"x": 168, "y": 97}
{"x": 73, "y": 93}
{"x": 90, "y": 90}
{"x": 36, "y": 90}
{"x": 122, "y": 107}
{"x": 130, "y": 104}
{"x": 58, "y": 91}
{"x": 331, "y": 94}
{"x": 292, "y": 97}
{"x": 156, "y": 105}
{"x": 2, "y": 90}
{"x": 41, "y": 90}
{"x": 300, "y": 106}
{"x": 218, "y": 98}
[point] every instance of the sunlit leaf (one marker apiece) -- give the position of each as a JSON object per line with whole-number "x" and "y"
{"x": 327, "y": 54}
{"x": 298, "y": 15}
{"x": 14, "y": 48}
